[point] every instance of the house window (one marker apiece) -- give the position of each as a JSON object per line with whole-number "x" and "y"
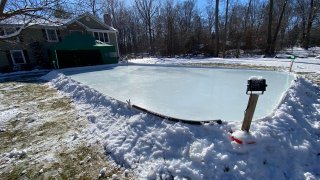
{"x": 52, "y": 35}
{"x": 18, "y": 57}
{"x": 101, "y": 36}
{"x": 9, "y": 31}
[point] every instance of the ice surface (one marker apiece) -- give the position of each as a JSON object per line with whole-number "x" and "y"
{"x": 184, "y": 92}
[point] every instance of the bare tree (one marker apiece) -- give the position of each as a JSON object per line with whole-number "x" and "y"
{"x": 216, "y": 53}
{"x": 147, "y": 9}
{"x": 274, "y": 39}
{"x": 170, "y": 18}
{"x": 225, "y": 30}
{"x": 25, "y": 13}
{"x": 314, "y": 7}
{"x": 269, "y": 35}
{"x": 95, "y": 7}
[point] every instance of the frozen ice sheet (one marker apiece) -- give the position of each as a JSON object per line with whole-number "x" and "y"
{"x": 186, "y": 92}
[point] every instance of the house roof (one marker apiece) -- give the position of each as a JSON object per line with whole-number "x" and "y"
{"x": 51, "y": 22}
{"x": 87, "y": 14}
{"x": 21, "y": 20}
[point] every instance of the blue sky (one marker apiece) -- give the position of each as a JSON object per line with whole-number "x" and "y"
{"x": 202, "y": 4}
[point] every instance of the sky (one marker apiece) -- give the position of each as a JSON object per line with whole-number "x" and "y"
{"x": 202, "y": 4}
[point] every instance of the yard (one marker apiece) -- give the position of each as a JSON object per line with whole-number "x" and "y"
{"x": 40, "y": 138}
{"x": 59, "y": 128}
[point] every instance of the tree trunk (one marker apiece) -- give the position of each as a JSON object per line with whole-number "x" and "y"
{"x": 269, "y": 36}
{"x": 274, "y": 39}
{"x": 216, "y": 53}
{"x": 150, "y": 37}
{"x": 225, "y": 31}
{"x": 309, "y": 25}
{"x": 247, "y": 35}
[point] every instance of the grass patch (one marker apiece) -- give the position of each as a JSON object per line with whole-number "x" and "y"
{"x": 84, "y": 162}
{"x": 314, "y": 77}
{"x": 45, "y": 120}
{"x": 52, "y": 128}
{"x": 57, "y": 104}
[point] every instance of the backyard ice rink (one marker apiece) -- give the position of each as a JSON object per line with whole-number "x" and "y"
{"x": 194, "y": 94}
{"x": 286, "y": 145}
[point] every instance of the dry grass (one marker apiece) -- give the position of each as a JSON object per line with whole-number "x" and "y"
{"x": 43, "y": 121}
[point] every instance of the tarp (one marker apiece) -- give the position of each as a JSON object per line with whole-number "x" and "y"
{"x": 78, "y": 41}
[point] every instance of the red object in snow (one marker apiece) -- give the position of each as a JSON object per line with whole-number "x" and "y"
{"x": 240, "y": 141}
{"x": 236, "y": 140}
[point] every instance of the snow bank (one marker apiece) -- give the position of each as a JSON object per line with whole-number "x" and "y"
{"x": 287, "y": 143}
{"x": 300, "y": 64}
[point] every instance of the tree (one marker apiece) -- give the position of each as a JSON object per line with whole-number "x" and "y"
{"x": 170, "y": 18}
{"x": 185, "y": 25}
{"x": 274, "y": 39}
{"x": 27, "y": 12}
{"x": 312, "y": 15}
{"x": 147, "y": 9}
{"x": 271, "y": 39}
{"x": 269, "y": 35}
{"x": 60, "y": 12}
{"x": 225, "y": 30}
{"x": 216, "y": 53}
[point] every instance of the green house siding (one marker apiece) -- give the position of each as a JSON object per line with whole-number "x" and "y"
{"x": 33, "y": 35}
{"x": 4, "y": 61}
{"x": 76, "y": 42}
{"x": 38, "y": 51}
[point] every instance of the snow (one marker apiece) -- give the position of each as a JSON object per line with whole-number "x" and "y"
{"x": 255, "y": 78}
{"x": 103, "y": 172}
{"x": 23, "y": 20}
{"x": 300, "y": 64}
{"x": 287, "y": 144}
{"x": 17, "y": 154}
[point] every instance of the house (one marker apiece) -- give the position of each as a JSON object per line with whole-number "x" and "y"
{"x": 58, "y": 43}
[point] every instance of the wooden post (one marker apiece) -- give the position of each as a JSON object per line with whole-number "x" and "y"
{"x": 253, "y": 99}
{"x": 291, "y": 64}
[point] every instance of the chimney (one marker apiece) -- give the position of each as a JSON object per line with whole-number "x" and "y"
{"x": 107, "y": 19}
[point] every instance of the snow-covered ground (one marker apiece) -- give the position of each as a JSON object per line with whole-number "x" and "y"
{"x": 285, "y": 145}
{"x": 299, "y": 65}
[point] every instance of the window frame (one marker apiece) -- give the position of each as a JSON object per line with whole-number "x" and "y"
{"x": 6, "y": 29}
{"x": 23, "y": 57}
{"x": 55, "y": 32}
{"x": 103, "y": 34}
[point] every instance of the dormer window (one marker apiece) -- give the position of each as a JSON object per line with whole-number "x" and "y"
{"x": 52, "y": 35}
